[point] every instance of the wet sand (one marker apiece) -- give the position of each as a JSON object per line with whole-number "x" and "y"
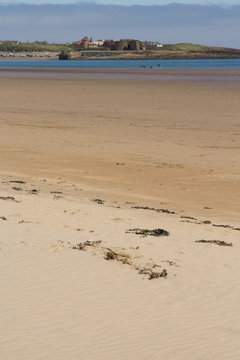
{"x": 88, "y": 160}
{"x": 205, "y": 75}
{"x": 176, "y": 142}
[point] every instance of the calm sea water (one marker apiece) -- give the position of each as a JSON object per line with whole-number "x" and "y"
{"x": 121, "y": 64}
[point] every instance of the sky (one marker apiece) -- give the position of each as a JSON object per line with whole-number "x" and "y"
{"x": 127, "y": 2}
{"x": 211, "y": 24}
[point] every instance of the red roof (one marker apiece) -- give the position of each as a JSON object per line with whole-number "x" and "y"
{"x": 82, "y": 40}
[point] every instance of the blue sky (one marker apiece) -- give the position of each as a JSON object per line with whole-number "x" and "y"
{"x": 127, "y": 2}
{"x": 212, "y": 24}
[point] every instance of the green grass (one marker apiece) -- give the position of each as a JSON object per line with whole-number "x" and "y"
{"x": 184, "y": 47}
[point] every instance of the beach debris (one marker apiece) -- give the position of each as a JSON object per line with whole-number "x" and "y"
{"x": 57, "y": 197}
{"x": 24, "y": 221}
{"x": 83, "y": 246}
{"x": 217, "y": 242}
{"x": 153, "y": 274}
{"x": 120, "y": 164}
{"x": 196, "y": 221}
{"x": 56, "y": 192}
{"x": 164, "y": 211}
{"x": 33, "y": 191}
{"x": 98, "y": 201}
{"x": 10, "y": 198}
{"x": 226, "y": 226}
{"x": 120, "y": 255}
{"x": 126, "y": 259}
{"x": 17, "y": 188}
{"x": 17, "y": 182}
{"x": 207, "y": 222}
{"x": 238, "y": 229}
{"x": 110, "y": 254}
{"x": 188, "y": 217}
{"x": 3, "y": 218}
{"x": 223, "y": 226}
{"x": 146, "y": 232}
{"x": 191, "y": 222}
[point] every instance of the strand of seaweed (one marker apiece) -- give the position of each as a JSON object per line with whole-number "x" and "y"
{"x": 187, "y": 219}
{"x": 216, "y": 242}
{"x": 121, "y": 256}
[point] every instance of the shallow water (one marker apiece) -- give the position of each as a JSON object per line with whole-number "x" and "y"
{"x": 122, "y": 64}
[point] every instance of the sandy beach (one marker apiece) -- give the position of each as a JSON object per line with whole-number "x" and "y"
{"x": 119, "y": 215}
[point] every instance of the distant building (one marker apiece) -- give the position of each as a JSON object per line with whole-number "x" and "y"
{"x": 108, "y": 44}
{"x": 154, "y": 44}
{"x": 99, "y": 43}
{"x": 129, "y": 44}
{"x": 85, "y": 43}
{"x": 8, "y": 42}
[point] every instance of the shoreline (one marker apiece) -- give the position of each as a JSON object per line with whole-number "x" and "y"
{"x": 232, "y": 75}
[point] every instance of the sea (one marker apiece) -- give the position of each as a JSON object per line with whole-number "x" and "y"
{"x": 122, "y": 64}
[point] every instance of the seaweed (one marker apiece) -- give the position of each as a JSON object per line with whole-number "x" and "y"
{"x": 146, "y": 232}
{"x": 98, "y": 201}
{"x": 84, "y": 245}
{"x": 17, "y": 182}
{"x": 164, "y": 211}
{"x": 217, "y": 242}
{"x": 153, "y": 274}
{"x": 10, "y": 198}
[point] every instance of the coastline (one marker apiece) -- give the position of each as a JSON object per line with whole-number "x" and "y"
{"x": 125, "y": 55}
{"x": 131, "y": 74}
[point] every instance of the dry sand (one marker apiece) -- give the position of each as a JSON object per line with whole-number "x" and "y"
{"x": 171, "y": 147}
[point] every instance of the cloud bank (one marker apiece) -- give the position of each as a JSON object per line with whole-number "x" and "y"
{"x": 173, "y": 23}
